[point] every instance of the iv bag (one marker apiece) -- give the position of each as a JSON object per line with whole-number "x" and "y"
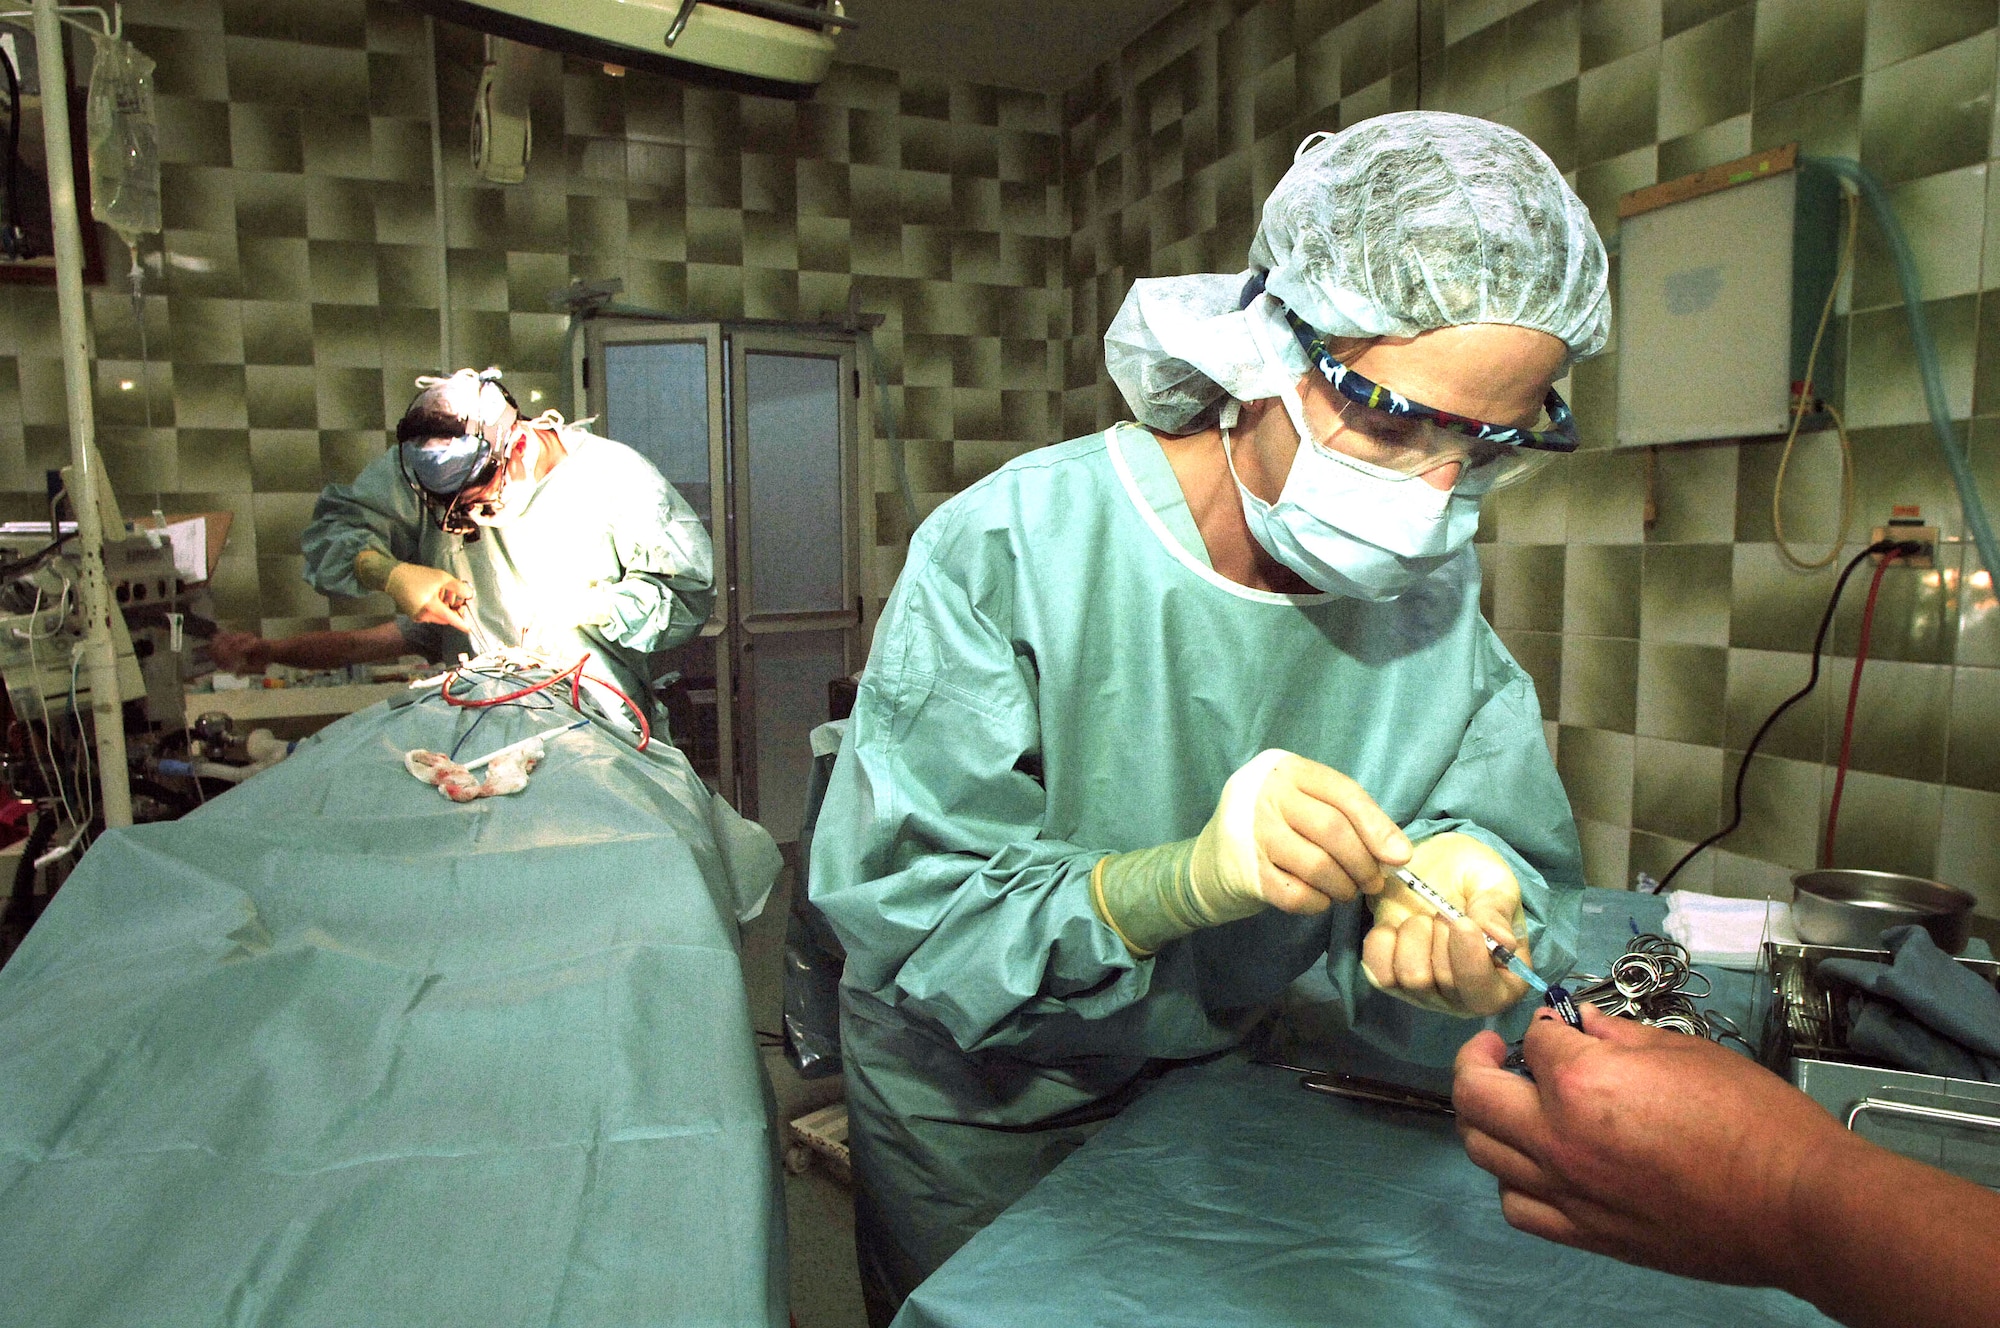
{"x": 124, "y": 141}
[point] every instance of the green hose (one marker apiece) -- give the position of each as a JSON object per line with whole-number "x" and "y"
{"x": 1927, "y": 357}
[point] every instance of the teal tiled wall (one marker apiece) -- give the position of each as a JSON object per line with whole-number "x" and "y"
{"x": 1644, "y": 589}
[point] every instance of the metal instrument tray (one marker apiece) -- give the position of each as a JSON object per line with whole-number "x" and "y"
{"x": 1953, "y": 1124}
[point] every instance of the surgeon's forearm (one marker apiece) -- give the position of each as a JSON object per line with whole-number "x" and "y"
{"x": 1887, "y": 1241}
{"x": 332, "y": 650}
{"x": 372, "y": 568}
{"x": 642, "y": 612}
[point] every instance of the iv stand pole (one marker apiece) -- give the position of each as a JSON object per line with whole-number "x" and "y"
{"x": 99, "y": 663}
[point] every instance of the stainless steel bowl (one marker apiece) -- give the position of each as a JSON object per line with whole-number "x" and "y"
{"x": 1852, "y": 908}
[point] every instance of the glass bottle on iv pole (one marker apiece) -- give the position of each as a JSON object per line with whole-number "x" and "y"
{"x": 124, "y": 137}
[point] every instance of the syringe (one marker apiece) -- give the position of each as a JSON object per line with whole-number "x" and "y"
{"x": 1501, "y": 954}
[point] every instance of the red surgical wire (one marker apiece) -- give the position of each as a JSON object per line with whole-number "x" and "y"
{"x": 1853, "y": 696}
{"x": 577, "y": 677}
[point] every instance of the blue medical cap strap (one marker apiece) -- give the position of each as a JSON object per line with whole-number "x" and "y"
{"x": 1252, "y": 288}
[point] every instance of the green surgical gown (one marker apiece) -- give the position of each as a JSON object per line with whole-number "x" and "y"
{"x": 602, "y": 528}
{"x": 1060, "y": 674}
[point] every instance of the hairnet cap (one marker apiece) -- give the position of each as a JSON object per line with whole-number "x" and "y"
{"x": 1400, "y": 225}
{"x": 447, "y": 406}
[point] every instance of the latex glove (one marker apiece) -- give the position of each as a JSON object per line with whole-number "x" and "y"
{"x": 1287, "y": 833}
{"x": 430, "y": 595}
{"x": 1416, "y": 955}
{"x": 239, "y": 652}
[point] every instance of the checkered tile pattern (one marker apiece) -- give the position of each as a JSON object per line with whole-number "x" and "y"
{"x": 1657, "y": 642}
{"x": 295, "y": 290}
{"x": 297, "y": 293}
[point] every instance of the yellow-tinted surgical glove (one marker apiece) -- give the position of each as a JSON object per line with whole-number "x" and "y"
{"x": 1418, "y": 956}
{"x": 429, "y": 595}
{"x": 1287, "y": 833}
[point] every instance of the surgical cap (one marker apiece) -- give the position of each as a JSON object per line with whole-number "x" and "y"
{"x": 1399, "y": 225}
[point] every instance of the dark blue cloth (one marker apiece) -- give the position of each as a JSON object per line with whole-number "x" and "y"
{"x": 1922, "y": 1011}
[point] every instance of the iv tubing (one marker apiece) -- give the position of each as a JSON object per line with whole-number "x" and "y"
{"x": 1853, "y": 701}
{"x": 106, "y": 712}
{"x": 1927, "y": 357}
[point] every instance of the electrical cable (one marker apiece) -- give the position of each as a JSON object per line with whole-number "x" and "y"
{"x": 645, "y": 728}
{"x": 27, "y": 561}
{"x": 1804, "y": 400}
{"x": 444, "y": 688}
{"x": 477, "y": 720}
{"x": 480, "y": 718}
{"x": 51, "y": 773}
{"x": 20, "y": 902}
{"x": 1853, "y": 697}
{"x": 1812, "y": 681}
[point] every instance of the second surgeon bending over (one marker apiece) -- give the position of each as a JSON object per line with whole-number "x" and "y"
{"x": 518, "y": 532}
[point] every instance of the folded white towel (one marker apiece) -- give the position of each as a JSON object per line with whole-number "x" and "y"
{"x": 1727, "y": 933}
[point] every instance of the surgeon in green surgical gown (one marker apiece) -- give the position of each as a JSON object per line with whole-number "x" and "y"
{"x": 512, "y": 531}
{"x": 1150, "y": 712}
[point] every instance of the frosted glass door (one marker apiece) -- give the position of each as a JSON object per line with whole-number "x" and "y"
{"x": 788, "y": 673}
{"x": 793, "y": 457}
{"x": 656, "y": 402}
{"x": 658, "y": 389}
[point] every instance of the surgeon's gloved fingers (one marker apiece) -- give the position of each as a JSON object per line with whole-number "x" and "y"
{"x": 447, "y": 615}
{"x": 1495, "y": 916}
{"x": 1382, "y": 837}
{"x": 1378, "y": 957}
{"x": 1413, "y": 956}
{"x": 1444, "y": 974}
{"x": 448, "y": 607}
{"x": 1302, "y": 858}
{"x": 1327, "y": 828}
{"x": 1483, "y": 986}
{"x": 1287, "y": 893}
{"x": 429, "y": 594}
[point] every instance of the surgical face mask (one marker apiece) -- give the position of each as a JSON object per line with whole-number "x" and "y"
{"x": 513, "y": 495}
{"x": 1352, "y": 528}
